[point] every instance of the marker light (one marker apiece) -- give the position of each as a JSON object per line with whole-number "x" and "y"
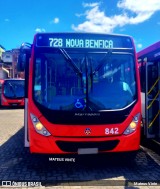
{"x": 38, "y": 126}
{"x": 133, "y": 125}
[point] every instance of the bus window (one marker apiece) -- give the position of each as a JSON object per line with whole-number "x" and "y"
{"x": 115, "y": 81}
{"x": 153, "y": 75}
{"x": 14, "y": 89}
{"x": 56, "y": 87}
{"x": 142, "y": 72}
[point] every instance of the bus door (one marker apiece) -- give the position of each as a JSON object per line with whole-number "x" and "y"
{"x": 152, "y": 100}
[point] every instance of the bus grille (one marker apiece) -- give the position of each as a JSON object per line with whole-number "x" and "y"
{"x": 74, "y": 146}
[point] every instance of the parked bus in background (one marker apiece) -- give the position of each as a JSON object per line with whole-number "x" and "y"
{"x": 4, "y": 74}
{"x": 12, "y": 92}
{"x": 83, "y": 93}
{"x": 149, "y": 67}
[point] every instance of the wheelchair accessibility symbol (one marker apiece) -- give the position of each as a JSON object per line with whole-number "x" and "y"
{"x": 79, "y": 104}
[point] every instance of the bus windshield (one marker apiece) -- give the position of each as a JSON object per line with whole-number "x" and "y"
{"x": 14, "y": 89}
{"x": 84, "y": 80}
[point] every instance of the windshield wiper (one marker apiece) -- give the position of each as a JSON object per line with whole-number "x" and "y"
{"x": 69, "y": 59}
{"x": 101, "y": 62}
{"x": 12, "y": 88}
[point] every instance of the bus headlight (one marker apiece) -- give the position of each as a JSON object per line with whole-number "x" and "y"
{"x": 133, "y": 125}
{"x": 4, "y": 99}
{"x": 39, "y": 127}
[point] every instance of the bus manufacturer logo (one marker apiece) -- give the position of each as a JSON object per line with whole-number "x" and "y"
{"x": 87, "y": 131}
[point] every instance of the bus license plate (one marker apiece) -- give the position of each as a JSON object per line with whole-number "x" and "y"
{"x": 88, "y": 151}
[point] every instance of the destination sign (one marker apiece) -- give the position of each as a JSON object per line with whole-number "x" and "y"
{"x": 82, "y": 40}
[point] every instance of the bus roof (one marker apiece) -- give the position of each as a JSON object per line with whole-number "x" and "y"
{"x": 152, "y": 52}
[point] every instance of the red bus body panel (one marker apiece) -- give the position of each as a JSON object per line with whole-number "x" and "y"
{"x": 65, "y": 133}
{"x": 11, "y": 102}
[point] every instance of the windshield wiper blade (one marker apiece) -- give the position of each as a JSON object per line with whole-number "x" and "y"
{"x": 69, "y": 59}
{"x": 12, "y": 88}
{"x": 101, "y": 62}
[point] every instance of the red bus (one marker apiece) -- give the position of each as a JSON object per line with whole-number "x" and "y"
{"x": 83, "y": 93}
{"x": 12, "y": 92}
{"x": 149, "y": 66}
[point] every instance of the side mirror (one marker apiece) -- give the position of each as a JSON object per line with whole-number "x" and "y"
{"x": 21, "y": 62}
{"x": 23, "y": 58}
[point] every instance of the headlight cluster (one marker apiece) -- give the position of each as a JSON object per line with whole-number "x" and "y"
{"x": 4, "y": 99}
{"x": 133, "y": 125}
{"x": 38, "y": 126}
